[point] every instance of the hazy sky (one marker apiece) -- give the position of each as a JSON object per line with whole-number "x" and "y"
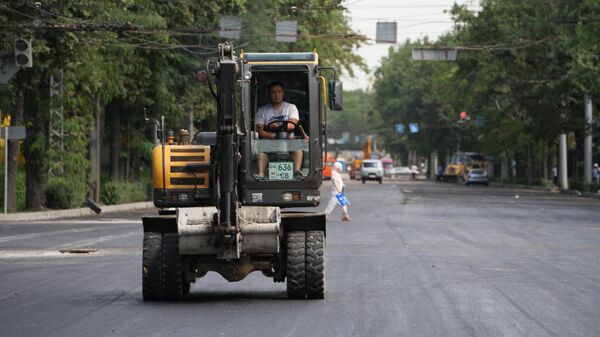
{"x": 415, "y": 18}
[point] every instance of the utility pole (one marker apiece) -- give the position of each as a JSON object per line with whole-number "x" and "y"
{"x": 562, "y": 161}
{"x": 433, "y": 164}
{"x": 587, "y": 152}
{"x": 56, "y": 121}
{"x": 191, "y": 122}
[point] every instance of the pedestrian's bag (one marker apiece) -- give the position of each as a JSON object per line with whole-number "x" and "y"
{"x": 342, "y": 200}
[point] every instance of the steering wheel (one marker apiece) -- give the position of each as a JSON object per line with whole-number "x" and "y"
{"x": 281, "y": 128}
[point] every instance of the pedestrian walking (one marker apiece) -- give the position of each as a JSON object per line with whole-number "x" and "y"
{"x": 337, "y": 193}
{"x": 414, "y": 170}
{"x": 440, "y": 173}
{"x": 596, "y": 174}
{"x": 555, "y": 175}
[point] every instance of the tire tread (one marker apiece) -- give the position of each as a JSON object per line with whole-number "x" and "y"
{"x": 315, "y": 264}
{"x": 296, "y": 271}
{"x": 172, "y": 287}
{"x": 152, "y": 267}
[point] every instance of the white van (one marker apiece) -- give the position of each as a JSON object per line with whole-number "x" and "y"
{"x": 371, "y": 169}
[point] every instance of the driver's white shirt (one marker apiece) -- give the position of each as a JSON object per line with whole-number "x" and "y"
{"x": 267, "y": 113}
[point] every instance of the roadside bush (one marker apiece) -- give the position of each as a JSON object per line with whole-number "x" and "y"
{"x": 59, "y": 194}
{"x": 124, "y": 192}
{"x": 580, "y": 186}
{"x": 522, "y": 181}
{"x": 109, "y": 194}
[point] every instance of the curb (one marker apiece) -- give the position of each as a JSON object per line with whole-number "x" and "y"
{"x": 525, "y": 187}
{"x": 73, "y": 213}
{"x": 581, "y": 194}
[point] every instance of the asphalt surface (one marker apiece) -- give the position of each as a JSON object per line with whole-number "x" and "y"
{"x": 417, "y": 259}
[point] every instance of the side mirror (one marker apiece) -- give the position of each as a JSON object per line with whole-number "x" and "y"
{"x": 336, "y": 97}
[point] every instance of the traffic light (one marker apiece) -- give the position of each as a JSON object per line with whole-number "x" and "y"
{"x": 23, "y": 53}
{"x": 463, "y": 115}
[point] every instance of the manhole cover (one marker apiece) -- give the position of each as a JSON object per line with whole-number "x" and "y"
{"x": 78, "y": 251}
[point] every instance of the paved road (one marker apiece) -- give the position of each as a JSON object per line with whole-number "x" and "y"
{"x": 418, "y": 259}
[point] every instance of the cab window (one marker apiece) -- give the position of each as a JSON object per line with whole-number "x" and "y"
{"x": 280, "y": 125}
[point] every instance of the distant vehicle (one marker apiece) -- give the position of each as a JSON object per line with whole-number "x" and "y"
{"x": 388, "y": 165}
{"x": 371, "y": 169}
{"x": 477, "y": 176}
{"x": 328, "y": 162}
{"x": 400, "y": 171}
{"x": 461, "y": 164}
{"x": 355, "y": 172}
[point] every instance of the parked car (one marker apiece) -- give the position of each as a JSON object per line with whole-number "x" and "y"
{"x": 477, "y": 176}
{"x": 388, "y": 165}
{"x": 371, "y": 169}
{"x": 400, "y": 171}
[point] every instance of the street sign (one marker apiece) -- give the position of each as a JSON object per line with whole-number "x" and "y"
{"x": 230, "y": 27}
{"x": 386, "y": 32}
{"x": 286, "y": 31}
{"x": 13, "y": 132}
{"x": 399, "y": 128}
{"x": 420, "y": 54}
{"x": 414, "y": 127}
{"x": 8, "y": 69}
{"x": 480, "y": 121}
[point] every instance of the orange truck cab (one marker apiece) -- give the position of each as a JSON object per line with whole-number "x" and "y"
{"x": 328, "y": 166}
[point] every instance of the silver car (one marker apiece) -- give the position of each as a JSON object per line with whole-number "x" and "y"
{"x": 477, "y": 176}
{"x": 371, "y": 169}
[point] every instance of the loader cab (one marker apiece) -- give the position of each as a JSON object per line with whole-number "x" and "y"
{"x": 292, "y": 173}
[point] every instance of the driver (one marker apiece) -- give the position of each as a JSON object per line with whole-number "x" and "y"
{"x": 277, "y": 110}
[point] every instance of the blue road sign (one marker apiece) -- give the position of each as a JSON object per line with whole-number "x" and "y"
{"x": 414, "y": 127}
{"x": 399, "y": 128}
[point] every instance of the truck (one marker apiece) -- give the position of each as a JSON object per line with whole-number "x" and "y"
{"x": 215, "y": 211}
{"x": 461, "y": 164}
{"x": 328, "y": 162}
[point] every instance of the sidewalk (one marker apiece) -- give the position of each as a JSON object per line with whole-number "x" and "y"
{"x": 72, "y": 213}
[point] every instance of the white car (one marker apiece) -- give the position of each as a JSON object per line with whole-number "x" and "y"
{"x": 371, "y": 169}
{"x": 400, "y": 171}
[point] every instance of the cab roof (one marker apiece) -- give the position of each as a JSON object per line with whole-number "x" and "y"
{"x": 296, "y": 58}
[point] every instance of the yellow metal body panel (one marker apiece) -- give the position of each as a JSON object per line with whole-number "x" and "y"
{"x": 176, "y": 158}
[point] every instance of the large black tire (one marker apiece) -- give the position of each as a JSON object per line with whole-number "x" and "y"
{"x": 171, "y": 267}
{"x": 152, "y": 267}
{"x": 315, "y": 264}
{"x": 296, "y": 271}
{"x": 185, "y": 286}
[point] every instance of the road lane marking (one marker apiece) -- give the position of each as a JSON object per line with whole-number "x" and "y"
{"x": 90, "y": 242}
{"x": 498, "y": 269}
{"x": 50, "y": 233}
{"x": 85, "y": 222}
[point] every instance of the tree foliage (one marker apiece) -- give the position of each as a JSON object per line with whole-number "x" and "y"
{"x": 523, "y": 70}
